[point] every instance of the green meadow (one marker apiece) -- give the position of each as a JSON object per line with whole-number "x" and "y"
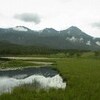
{"x": 82, "y": 75}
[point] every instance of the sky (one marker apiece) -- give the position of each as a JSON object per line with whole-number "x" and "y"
{"x": 57, "y": 14}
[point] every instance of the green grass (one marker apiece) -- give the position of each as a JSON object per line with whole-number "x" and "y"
{"x": 83, "y": 82}
{"x": 83, "y": 77}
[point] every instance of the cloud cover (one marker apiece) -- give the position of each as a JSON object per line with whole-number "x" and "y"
{"x": 96, "y": 24}
{"x": 28, "y": 17}
{"x": 57, "y": 14}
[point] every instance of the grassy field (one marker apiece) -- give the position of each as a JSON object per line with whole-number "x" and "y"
{"x": 82, "y": 76}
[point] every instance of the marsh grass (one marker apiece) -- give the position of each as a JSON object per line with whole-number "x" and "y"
{"x": 83, "y": 78}
{"x": 16, "y": 64}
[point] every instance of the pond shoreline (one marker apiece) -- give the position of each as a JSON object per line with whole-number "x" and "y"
{"x": 46, "y": 77}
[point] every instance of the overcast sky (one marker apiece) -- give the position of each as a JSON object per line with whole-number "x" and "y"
{"x": 58, "y": 14}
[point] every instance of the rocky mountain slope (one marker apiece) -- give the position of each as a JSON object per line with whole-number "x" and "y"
{"x": 71, "y": 38}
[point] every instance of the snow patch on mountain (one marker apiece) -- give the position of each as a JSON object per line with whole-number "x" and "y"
{"x": 88, "y": 43}
{"x": 94, "y": 38}
{"x": 98, "y": 43}
{"x": 73, "y": 39}
{"x": 81, "y": 39}
{"x": 20, "y": 28}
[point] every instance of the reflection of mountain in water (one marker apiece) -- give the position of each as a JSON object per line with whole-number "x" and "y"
{"x": 26, "y": 72}
{"x": 45, "y": 77}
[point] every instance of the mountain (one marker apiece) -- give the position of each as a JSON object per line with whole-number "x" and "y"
{"x": 71, "y": 38}
{"x": 80, "y": 39}
{"x": 20, "y": 28}
{"x": 49, "y": 32}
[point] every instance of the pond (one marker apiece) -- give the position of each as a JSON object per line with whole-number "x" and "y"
{"x": 46, "y": 77}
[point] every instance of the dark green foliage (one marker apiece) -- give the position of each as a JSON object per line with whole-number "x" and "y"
{"x": 97, "y": 53}
{"x": 4, "y": 59}
{"x": 13, "y": 49}
{"x": 7, "y": 48}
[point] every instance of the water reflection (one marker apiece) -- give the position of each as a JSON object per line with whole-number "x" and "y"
{"x": 46, "y": 77}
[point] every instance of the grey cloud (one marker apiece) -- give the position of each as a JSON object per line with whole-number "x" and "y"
{"x": 96, "y": 24}
{"x": 28, "y": 17}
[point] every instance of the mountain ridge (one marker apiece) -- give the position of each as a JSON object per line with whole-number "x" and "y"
{"x": 71, "y": 38}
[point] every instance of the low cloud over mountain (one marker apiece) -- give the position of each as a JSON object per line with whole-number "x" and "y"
{"x": 97, "y": 24}
{"x": 28, "y": 17}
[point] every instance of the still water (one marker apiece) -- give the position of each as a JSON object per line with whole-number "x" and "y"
{"x": 46, "y": 77}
